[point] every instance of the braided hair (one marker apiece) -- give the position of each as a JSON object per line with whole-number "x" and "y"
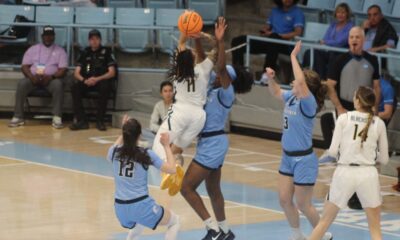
{"x": 366, "y": 96}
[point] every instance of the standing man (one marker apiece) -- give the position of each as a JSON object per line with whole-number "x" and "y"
{"x": 44, "y": 65}
{"x": 95, "y": 71}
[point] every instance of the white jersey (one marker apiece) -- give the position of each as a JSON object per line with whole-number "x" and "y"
{"x": 195, "y": 93}
{"x": 347, "y": 143}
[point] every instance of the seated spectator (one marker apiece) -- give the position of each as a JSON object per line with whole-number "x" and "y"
{"x": 379, "y": 33}
{"x": 95, "y": 71}
{"x": 285, "y": 22}
{"x": 336, "y": 36}
{"x": 43, "y": 65}
{"x": 161, "y": 108}
{"x": 388, "y": 101}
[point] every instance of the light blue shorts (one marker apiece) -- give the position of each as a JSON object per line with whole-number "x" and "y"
{"x": 303, "y": 169}
{"x": 211, "y": 151}
{"x": 145, "y": 212}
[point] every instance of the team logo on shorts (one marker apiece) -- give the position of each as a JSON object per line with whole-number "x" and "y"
{"x": 155, "y": 209}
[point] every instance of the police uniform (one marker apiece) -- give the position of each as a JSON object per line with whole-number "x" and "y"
{"x": 186, "y": 117}
{"x": 93, "y": 64}
{"x": 299, "y": 160}
{"x": 356, "y": 172}
{"x": 133, "y": 205}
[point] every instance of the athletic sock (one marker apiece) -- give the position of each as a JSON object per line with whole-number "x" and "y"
{"x": 173, "y": 227}
{"x": 223, "y": 225}
{"x": 297, "y": 233}
{"x": 135, "y": 232}
{"x": 211, "y": 224}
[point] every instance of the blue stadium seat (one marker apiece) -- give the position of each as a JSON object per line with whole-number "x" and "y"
{"x": 8, "y": 13}
{"x": 355, "y": 5}
{"x": 123, "y": 3}
{"x": 208, "y": 9}
{"x": 93, "y": 16}
{"x": 327, "y": 4}
{"x": 386, "y": 5}
{"x": 393, "y": 64}
{"x": 54, "y": 15}
{"x": 162, "y": 4}
{"x": 134, "y": 40}
{"x": 314, "y": 31}
{"x": 396, "y": 9}
{"x": 167, "y": 18}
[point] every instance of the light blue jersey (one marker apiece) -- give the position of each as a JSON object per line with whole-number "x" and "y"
{"x": 131, "y": 179}
{"x": 298, "y": 122}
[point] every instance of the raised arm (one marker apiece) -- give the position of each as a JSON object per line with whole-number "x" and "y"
{"x": 220, "y": 28}
{"x": 300, "y": 87}
{"x": 273, "y": 87}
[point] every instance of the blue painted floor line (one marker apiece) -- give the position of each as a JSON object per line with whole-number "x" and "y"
{"x": 349, "y": 224}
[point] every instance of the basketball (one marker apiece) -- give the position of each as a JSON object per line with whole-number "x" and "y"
{"x": 190, "y": 22}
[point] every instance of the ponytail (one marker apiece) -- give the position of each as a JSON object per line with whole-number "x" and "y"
{"x": 320, "y": 96}
{"x": 317, "y": 88}
{"x": 364, "y": 133}
{"x": 366, "y": 97}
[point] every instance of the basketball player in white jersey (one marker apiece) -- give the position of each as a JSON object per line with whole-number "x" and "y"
{"x": 190, "y": 73}
{"x": 357, "y": 137}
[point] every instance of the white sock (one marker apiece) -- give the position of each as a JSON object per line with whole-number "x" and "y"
{"x": 135, "y": 232}
{"x": 297, "y": 234}
{"x": 223, "y": 225}
{"x": 211, "y": 224}
{"x": 173, "y": 227}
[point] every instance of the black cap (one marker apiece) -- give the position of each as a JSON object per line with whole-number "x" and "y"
{"x": 94, "y": 32}
{"x": 48, "y": 30}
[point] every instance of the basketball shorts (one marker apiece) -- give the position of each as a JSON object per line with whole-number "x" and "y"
{"x": 363, "y": 180}
{"x": 145, "y": 212}
{"x": 183, "y": 123}
{"x": 303, "y": 169}
{"x": 211, "y": 151}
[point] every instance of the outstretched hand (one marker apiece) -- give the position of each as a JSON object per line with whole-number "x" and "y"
{"x": 125, "y": 119}
{"x": 296, "y": 49}
{"x": 270, "y": 73}
{"x": 220, "y": 27}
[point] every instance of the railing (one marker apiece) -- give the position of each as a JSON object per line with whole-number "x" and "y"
{"x": 312, "y": 47}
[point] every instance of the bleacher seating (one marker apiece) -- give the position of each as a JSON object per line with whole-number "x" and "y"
{"x": 208, "y": 9}
{"x": 167, "y": 18}
{"x": 386, "y": 5}
{"x": 162, "y": 4}
{"x": 134, "y": 40}
{"x": 8, "y": 13}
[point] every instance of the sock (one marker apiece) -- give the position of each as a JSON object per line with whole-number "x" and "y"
{"x": 135, "y": 232}
{"x": 223, "y": 225}
{"x": 211, "y": 224}
{"x": 173, "y": 227}
{"x": 297, "y": 234}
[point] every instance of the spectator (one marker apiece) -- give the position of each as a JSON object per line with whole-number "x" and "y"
{"x": 161, "y": 108}
{"x": 350, "y": 70}
{"x": 379, "y": 33}
{"x": 285, "y": 22}
{"x": 95, "y": 71}
{"x": 387, "y": 102}
{"x": 43, "y": 65}
{"x": 336, "y": 36}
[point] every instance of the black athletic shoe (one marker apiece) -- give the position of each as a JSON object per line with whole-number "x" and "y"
{"x": 79, "y": 126}
{"x": 100, "y": 126}
{"x": 214, "y": 235}
{"x": 228, "y": 236}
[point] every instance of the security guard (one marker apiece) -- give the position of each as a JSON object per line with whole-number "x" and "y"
{"x": 95, "y": 71}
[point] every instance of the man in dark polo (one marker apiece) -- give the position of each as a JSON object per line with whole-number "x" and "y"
{"x": 95, "y": 71}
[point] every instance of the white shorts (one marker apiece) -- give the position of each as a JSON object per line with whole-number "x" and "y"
{"x": 363, "y": 180}
{"x": 184, "y": 123}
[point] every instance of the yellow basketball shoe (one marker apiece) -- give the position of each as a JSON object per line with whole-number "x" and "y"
{"x": 176, "y": 184}
{"x": 166, "y": 180}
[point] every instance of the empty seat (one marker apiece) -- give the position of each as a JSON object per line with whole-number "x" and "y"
{"x": 396, "y": 9}
{"x": 162, "y": 4}
{"x": 123, "y": 3}
{"x": 134, "y": 40}
{"x": 208, "y": 9}
{"x": 93, "y": 16}
{"x": 393, "y": 64}
{"x": 54, "y": 15}
{"x": 327, "y": 4}
{"x": 167, "y": 18}
{"x": 386, "y": 5}
{"x": 8, "y": 13}
{"x": 314, "y": 31}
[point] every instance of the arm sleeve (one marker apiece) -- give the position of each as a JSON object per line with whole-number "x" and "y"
{"x": 334, "y": 69}
{"x": 383, "y": 156}
{"x": 388, "y": 95}
{"x": 270, "y": 19}
{"x": 207, "y": 65}
{"x": 226, "y": 96}
{"x": 286, "y": 95}
{"x": 81, "y": 59}
{"x": 156, "y": 160}
{"x": 337, "y": 135}
{"x": 109, "y": 58}
{"x": 341, "y": 39}
{"x": 63, "y": 61}
{"x": 375, "y": 64}
{"x": 309, "y": 105}
{"x": 155, "y": 116}
{"x": 110, "y": 153}
{"x": 27, "y": 59}
{"x": 299, "y": 19}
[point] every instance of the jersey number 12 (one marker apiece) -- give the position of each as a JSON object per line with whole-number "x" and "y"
{"x": 128, "y": 169}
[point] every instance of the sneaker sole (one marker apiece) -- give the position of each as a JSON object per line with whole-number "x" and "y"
{"x": 16, "y": 125}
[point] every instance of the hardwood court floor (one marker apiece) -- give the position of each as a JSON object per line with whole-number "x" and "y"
{"x": 56, "y": 184}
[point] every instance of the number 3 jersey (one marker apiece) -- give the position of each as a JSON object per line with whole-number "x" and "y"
{"x": 131, "y": 179}
{"x": 195, "y": 92}
{"x": 347, "y": 143}
{"x": 298, "y": 121}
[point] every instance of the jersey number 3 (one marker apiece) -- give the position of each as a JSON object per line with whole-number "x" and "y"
{"x": 285, "y": 123}
{"x": 128, "y": 170}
